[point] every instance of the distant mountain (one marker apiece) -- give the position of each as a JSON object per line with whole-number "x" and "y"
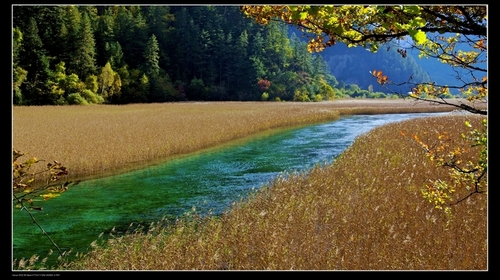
{"x": 440, "y": 73}
{"x": 353, "y": 66}
{"x": 444, "y": 74}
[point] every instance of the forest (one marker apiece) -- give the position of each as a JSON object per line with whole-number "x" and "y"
{"x": 145, "y": 54}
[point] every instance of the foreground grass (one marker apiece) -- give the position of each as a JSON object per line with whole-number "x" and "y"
{"x": 363, "y": 212}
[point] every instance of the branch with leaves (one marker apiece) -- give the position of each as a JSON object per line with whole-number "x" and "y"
{"x": 372, "y": 25}
{"x": 429, "y": 92}
{"x": 454, "y": 35}
{"x": 25, "y": 193}
{"x": 468, "y": 174}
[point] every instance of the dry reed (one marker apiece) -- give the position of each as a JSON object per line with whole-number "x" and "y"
{"x": 104, "y": 139}
{"x": 363, "y": 212}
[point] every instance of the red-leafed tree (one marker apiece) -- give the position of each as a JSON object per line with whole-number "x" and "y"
{"x": 263, "y": 84}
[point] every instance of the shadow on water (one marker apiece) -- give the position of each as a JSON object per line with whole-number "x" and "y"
{"x": 209, "y": 181}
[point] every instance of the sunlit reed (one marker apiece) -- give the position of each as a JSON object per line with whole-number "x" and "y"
{"x": 363, "y": 212}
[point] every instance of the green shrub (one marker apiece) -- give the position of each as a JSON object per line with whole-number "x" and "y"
{"x": 91, "y": 97}
{"x": 76, "y": 99}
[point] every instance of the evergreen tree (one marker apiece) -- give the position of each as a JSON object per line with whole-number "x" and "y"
{"x": 70, "y": 31}
{"x": 104, "y": 36}
{"x": 18, "y": 73}
{"x": 277, "y": 47}
{"x": 245, "y": 76}
{"x": 131, "y": 32}
{"x": 302, "y": 59}
{"x": 115, "y": 54}
{"x": 256, "y": 51}
{"x": 213, "y": 46}
{"x": 227, "y": 68}
{"x": 50, "y": 20}
{"x": 35, "y": 61}
{"x": 180, "y": 46}
{"x": 83, "y": 59}
{"x": 151, "y": 64}
{"x": 159, "y": 20}
{"x": 320, "y": 68}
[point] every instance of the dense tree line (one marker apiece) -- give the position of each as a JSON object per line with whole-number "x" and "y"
{"x": 134, "y": 54}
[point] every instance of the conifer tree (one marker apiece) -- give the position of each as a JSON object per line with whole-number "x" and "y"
{"x": 83, "y": 59}
{"x": 151, "y": 64}
{"x": 35, "y": 62}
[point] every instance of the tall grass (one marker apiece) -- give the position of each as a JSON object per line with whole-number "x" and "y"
{"x": 104, "y": 139}
{"x": 363, "y": 212}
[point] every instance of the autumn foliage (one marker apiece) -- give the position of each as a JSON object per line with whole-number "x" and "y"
{"x": 25, "y": 189}
{"x": 453, "y": 35}
{"x": 465, "y": 173}
{"x": 263, "y": 84}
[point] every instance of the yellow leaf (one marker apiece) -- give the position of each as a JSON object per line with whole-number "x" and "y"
{"x": 49, "y": 195}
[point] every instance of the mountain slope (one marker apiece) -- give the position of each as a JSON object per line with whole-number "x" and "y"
{"x": 353, "y": 66}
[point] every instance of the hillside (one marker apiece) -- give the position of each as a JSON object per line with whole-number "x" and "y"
{"x": 353, "y": 66}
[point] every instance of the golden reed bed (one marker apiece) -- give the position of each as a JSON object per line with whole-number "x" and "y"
{"x": 102, "y": 139}
{"x": 363, "y": 212}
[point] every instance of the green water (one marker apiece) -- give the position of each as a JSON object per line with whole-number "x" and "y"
{"x": 209, "y": 181}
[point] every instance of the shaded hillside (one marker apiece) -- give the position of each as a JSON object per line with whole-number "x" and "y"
{"x": 444, "y": 74}
{"x": 441, "y": 73}
{"x": 353, "y": 66}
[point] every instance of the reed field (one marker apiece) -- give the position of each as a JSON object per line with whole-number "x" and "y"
{"x": 364, "y": 211}
{"x": 105, "y": 139}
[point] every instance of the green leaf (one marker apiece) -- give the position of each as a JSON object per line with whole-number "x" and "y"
{"x": 339, "y": 29}
{"x": 31, "y": 161}
{"x": 380, "y": 9}
{"x": 314, "y": 10}
{"x": 411, "y": 10}
{"x": 418, "y": 36}
{"x": 303, "y": 15}
{"x": 417, "y": 22}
